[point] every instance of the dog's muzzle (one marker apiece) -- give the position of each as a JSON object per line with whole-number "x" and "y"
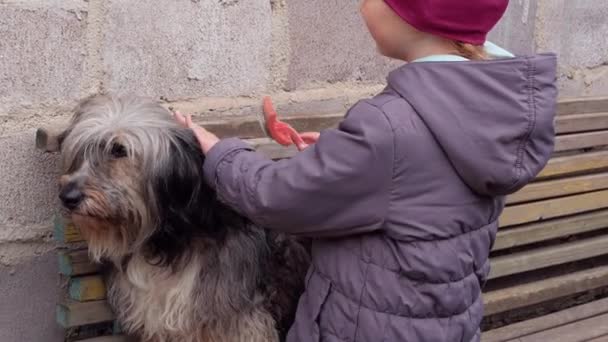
{"x": 71, "y": 196}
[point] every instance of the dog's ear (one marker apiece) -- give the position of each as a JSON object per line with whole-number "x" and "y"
{"x": 183, "y": 200}
{"x": 49, "y": 139}
{"x": 179, "y": 179}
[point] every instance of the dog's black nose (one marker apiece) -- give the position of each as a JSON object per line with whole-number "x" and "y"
{"x": 71, "y": 196}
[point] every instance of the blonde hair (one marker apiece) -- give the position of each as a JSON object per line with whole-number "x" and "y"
{"x": 470, "y": 51}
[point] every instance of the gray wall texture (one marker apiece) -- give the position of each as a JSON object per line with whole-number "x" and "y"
{"x": 211, "y": 58}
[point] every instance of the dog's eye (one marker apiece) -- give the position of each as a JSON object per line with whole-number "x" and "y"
{"x": 118, "y": 151}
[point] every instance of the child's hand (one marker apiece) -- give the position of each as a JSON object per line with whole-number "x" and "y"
{"x": 308, "y": 138}
{"x": 205, "y": 138}
{"x": 282, "y": 132}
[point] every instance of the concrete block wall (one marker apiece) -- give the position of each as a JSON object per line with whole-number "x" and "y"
{"x": 212, "y": 58}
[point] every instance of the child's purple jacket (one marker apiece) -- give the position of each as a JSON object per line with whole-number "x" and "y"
{"x": 403, "y": 198}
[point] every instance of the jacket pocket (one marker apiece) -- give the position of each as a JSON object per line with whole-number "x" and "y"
{"x": 317, "y": 294}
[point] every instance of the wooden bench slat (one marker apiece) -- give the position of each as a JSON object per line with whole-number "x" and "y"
{"x": 563, "y": 206}
{"x": 580, "y": 140}
{"x": 250, "y": 127}
{"x": 75, "y": 263}
{"x": 599, "y": 339}
{"x": 548, "y": 256}
{"x": 584, "y": 162}
{"x": 523, "y": 295}
{"x": 581, "y": 122}
{"x": 547, "y": 230}
{"x": 65, "y": 231}
{"x": 271, "y": 149}
{"x": 87, "y": 288}
{"x": 570, "y": 112}
{"x": 556, "y": 319}
{"x": 73, "y": 314}
{"x": 574, "y": 332}
{"x": 560, "y": 187}
{"x": 582, "y": 105}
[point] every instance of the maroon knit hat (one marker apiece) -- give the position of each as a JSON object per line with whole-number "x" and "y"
{"x": 467, "y": 21}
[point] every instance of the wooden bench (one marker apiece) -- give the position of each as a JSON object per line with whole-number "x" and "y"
{"x": 550, "y": 252}
{"x": 549, "y": 262}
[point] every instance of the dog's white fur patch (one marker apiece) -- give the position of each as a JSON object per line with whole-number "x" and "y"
{"x": 158, "y": 304}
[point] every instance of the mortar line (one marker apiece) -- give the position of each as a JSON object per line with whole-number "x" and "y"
{"x": 540, "y": 26}
{"x": 280, "y": 53}
{"x": 282, "y": 97}
{"x": 348, "y": 93}
{"x": 94, "y": 70}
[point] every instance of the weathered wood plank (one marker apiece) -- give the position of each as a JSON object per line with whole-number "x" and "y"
{"x": 582, "y": 105}
{"x": 271, "y": 149}
{"x": 584, "y": 162}
{"x": 563, "y": 206}
{"x": 581, "y": 123}
{"x": 547, "y": 256}
{"x": 75, "y": 263}
{"x": 560, "y": 187}
{"x": 580, "y": 331}
{"x": 250, "y": 127}
{"x": 547, "y": 230}
{"x": 87, "y": 288}
{"x": 47, "y": 138}
{"x": 535, "y": 325}
{"x": 73, "y": 314}
{"x": 600, "y": 339}
{"x": 578, "y": 141}
{"x": 65, "y": 231}
{"x": 540, "y": 291}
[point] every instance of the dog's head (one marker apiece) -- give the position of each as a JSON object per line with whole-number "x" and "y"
{"x": 132, "y": 179}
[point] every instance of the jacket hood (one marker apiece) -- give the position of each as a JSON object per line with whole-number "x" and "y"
{"x": 493, "y": 119}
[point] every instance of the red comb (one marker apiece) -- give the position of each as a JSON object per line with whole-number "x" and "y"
{"x": 279, "y": 131}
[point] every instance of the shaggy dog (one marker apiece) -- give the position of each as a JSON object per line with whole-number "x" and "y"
{"x": 183, "y": 266}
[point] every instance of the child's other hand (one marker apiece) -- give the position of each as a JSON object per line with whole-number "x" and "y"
{"x": 308, "y": 138}
{"x": 205, "y": 138}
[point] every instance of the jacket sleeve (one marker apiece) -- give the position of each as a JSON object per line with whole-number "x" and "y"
{"x": 338, "y": 186}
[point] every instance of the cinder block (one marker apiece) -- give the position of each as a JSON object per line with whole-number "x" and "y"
{"x": 515, "y": 31}
{"x": 186, "y": 48}
{"x": 28, "y": 185}
{"x": 577, "y": 82}
{"x": 576, "y": 30}
{"x": 329, "y": 42}
{"x": 29, "y": 293}
{"x": 42, "y": 53}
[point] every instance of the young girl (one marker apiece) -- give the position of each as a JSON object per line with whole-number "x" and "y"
{"x": 403, "y": 198}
